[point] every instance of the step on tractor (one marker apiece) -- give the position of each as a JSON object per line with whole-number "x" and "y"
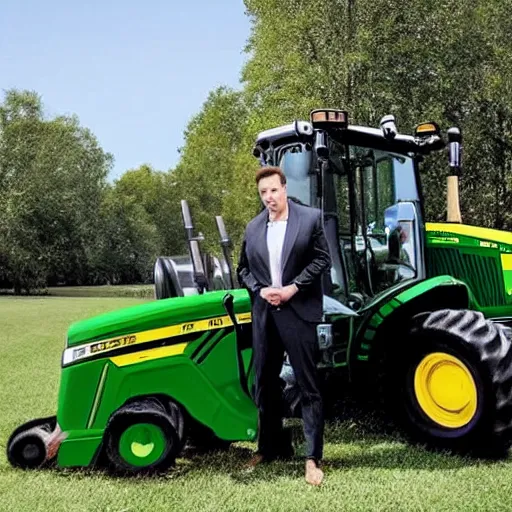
{"x": 414, "y": 312}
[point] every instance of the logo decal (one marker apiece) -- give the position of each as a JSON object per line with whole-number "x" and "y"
{"x": 111, "y": 344}
{"x": 187, "y": 327}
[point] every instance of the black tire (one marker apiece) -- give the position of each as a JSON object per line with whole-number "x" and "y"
{"x": 27, "y": 445}
{"x": 467, "y": 344}
{"x": 150, "y": 419}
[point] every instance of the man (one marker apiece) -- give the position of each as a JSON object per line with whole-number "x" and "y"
{"x": 283, "y": 257}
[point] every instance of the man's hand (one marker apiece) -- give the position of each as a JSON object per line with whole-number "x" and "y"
{"x": 278, "y": 296}
{"x": 287, "y": 292}
{"x": 271, "y": 295}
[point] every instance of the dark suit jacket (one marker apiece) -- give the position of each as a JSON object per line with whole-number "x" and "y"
{"x": 304, "y": 259}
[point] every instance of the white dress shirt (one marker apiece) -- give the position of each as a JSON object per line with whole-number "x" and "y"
{"x": 275, "y": 239}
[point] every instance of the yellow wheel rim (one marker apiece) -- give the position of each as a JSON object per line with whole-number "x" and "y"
{"x": 445, "y": 390}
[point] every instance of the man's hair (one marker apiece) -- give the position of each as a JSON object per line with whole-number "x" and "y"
{"x": 266, "y": 172}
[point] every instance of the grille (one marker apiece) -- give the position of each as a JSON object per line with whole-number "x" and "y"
{"x": 481, "y": 273}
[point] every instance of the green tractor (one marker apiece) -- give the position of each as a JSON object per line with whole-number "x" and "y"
{"x": 416, "y": 313}
{"x": 432, "y": 300}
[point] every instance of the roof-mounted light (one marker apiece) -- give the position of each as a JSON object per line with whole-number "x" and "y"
{"x": 427, "y": 129}
{"x": 329, "y": 116}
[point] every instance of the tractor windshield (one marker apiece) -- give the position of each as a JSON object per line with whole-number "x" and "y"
{"x": 369, "y": 202}
{"x": 373, "y": 195}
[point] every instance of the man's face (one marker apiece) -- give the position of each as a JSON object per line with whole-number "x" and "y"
{"x": 273, "y": 193}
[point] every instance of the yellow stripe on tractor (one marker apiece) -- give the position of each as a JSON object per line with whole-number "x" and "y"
{"x": 85, "y": 351}
{"x": 149, "y": 355}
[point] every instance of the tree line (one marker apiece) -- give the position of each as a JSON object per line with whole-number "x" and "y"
{"x": 62, "y": 222}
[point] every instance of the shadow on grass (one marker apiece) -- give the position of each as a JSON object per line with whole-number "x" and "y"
{"x": 369, "y": 453}
{"x": 355, "y": 439}
{"x": 359, "y": 438}
{"x": 375, "y": 453}
{"x": 360, "y": 441}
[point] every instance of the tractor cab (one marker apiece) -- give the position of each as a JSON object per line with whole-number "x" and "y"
{"x": 366, "y": 182}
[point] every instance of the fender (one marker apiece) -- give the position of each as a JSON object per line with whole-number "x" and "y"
{"x": 394, "y": 314}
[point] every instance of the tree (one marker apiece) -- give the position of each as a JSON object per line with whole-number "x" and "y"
{"x": 52, "y": 174}
{"x": 156, "y": 193}
{"x": 444, "y": 61}
{"x": 206, "y": 173}
{"x": 125, "y": 242}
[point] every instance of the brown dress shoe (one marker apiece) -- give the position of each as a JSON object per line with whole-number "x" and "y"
{"x": 314, "y": 475}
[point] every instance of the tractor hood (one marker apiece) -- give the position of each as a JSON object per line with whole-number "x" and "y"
{"x": 475, "y": 232}
{"x": 177, "y": 311}
{"x": 481, "y": 257}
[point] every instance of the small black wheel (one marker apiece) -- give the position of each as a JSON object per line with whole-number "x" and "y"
{"x": 457, "y": 383}
{"x": 142, "y": 437}
{"x": 27, "y": 446}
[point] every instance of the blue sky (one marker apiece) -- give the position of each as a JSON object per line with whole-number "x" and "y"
{"x": 134, "y": 72}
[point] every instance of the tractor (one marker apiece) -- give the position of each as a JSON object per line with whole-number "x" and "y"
{"x": 433, "y": 300}
{"x": 414, "y": 313}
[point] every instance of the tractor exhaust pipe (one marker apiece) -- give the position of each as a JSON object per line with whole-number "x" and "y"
{"x": 193, "y": 246}
{"x": 453, "y": 213}
{"x": 225, "y": 242}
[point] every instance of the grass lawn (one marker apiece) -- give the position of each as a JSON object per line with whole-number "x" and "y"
{"x": 364, "y": 470}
